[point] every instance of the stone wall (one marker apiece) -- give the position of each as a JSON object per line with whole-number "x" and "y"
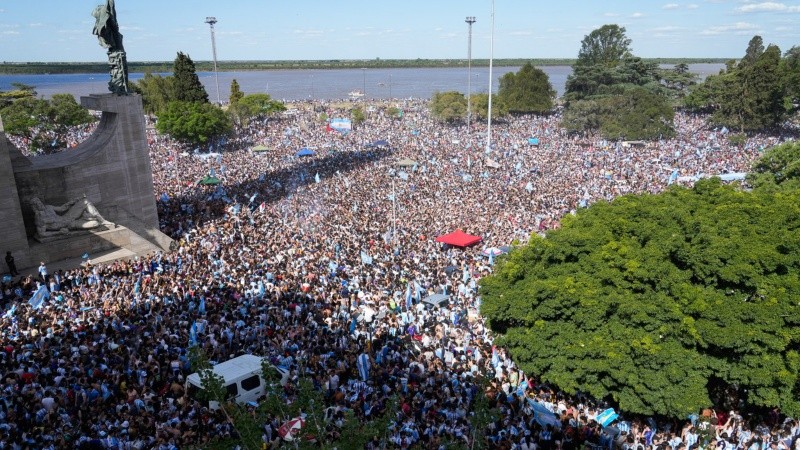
{"x": 112, "y": 168}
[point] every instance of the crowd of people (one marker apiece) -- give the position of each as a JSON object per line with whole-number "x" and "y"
{"x": 322, "y": 264}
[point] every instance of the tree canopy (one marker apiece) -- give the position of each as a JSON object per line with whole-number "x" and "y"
{"x": 449, "y": 106}
{"x": 45, "y": 122}
{"x": 186, "y": 84}
{"x": 605, "y": 46}
{"x": 156, "y": 91}
{"x": 527, "y": 91}
{"x": 777, "y": 169}
{"x": 253, "y": 106}
{"x": 757, "y": 93}
{"x": 657, "y": 301}
{"x": 610, "y": 89}
{"x": 193, "y": 122}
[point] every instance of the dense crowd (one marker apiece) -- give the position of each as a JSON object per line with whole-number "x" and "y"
{"x": 321, "y": 264}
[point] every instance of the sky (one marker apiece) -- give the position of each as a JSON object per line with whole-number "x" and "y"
{"x": 60, "y": 30}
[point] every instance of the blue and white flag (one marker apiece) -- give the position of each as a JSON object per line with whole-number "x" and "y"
{"x": 253, "y": 197}
{"x": 261, "y": 289}
{"x": 465, "y": 275}
{"x": 491, "y": 258}
{"x": 522, "y": 387}
{"x": 673, "y": 177}
{"x": 365, "y": 258}
{"x": 363, "y": 366}
{"x": 409, "y": 297}
{"x": 193, "y": 335}
{"x": 606, "y": 417}
{"x": 529, "y": 187}
{"x": 202, "y": 308}
{"x": 418, "y": 293}
{"x": 39, "y": 297}
{"x": 316, "y": 178}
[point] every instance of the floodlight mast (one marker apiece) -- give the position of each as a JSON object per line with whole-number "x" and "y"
{"x": 469, "y": 20}
{"x": 211, "y": 21}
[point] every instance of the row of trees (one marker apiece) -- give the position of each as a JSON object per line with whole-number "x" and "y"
{"x": 758, "y": 92}
{"x": 181, "y": 104}
{"x": 527, "y": 91}
{"x": 621, "y": 96}
{"x": 665, "y": 304}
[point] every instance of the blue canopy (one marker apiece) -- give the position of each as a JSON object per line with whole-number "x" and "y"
{"x": 381, "y": 143}
{"x": 533, "y": 141}
{"x": 305, "y": 152}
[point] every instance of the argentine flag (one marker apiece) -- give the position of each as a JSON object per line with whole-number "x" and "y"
{"x": 363, "y": 366}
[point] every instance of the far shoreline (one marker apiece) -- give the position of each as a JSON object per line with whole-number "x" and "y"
{"x": 39, "y": 68}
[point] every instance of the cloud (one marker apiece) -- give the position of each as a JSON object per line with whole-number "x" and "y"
{"x": 36, "y": 24}
{"x": 10, "y": 32}
{"x": 737, "y": 28}
{"x": 636, "y": 15}
{"x": 692, "y": 6}
{"x": 767, "y": 7}
{"x": 671, "y": 6}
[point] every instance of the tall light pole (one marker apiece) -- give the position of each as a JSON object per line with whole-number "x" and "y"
{"x": 364, "y": 88}
{"x": 211, "y": 21}
{"x": 491, "y": 58}
{"x": 470, "y": 20}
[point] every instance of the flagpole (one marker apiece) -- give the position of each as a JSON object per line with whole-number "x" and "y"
{"x": 491, "y": 58}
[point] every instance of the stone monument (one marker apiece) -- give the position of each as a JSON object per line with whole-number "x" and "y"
{"x": 96, "y": 196}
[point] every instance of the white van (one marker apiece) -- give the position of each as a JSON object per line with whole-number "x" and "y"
{"x": 242, "y": 379}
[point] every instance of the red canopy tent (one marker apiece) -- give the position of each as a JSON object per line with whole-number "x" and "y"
{"x": 459, "y": 239}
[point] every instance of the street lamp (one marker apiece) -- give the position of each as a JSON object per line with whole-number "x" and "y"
{"x": 470, "y": 20}
{"x": 211, "y": 21}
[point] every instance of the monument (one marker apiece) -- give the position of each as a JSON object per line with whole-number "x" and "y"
{"x": 96, "y": 196}
{"x": 106, "y": 29}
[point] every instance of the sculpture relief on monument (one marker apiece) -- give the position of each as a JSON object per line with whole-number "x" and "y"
{"x": 76, "y": 215}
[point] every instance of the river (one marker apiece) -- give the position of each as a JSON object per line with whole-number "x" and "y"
{"x": 320, "y": 84}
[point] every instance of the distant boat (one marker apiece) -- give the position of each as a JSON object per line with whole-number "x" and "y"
{"x": 356, "y": 94}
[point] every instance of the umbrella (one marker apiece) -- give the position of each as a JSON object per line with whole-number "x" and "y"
{"x": 289, "y": 430}
{"x": 209, "y": 180}
{"x": 305, "y": 151}
{"x": 492, "y": 251}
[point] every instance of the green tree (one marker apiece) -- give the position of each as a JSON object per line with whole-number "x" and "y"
{"x": 23, "y": 116}
{"x": 193, "y": 122}
{"x": 236, "y": 92}
{"x": 755, "y": 48}
{"x": 357, "y": 115}
{"x": 20, "y": 91}
{"x": 527, "y": 91}
{"x": 616, "y": 93}
{"x": 790, "y": 75}
{"x": 605, "y": 46}
{"x": 750, "y": 96}
{"x": 45, "y": 123}
{"x": 449, "y": 107}
{"x": 254, "y": 106}
{"x": 480, "y": 107}
{"x": 653, "y": 301}
{"x": 186, "y": 84}
{"x": 156, "y": 92}
{"x": 66, "y": 112}
{"x": 777, "y": 169}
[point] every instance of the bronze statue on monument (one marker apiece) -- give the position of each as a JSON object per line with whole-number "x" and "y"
{"x": 106, "y": 29}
